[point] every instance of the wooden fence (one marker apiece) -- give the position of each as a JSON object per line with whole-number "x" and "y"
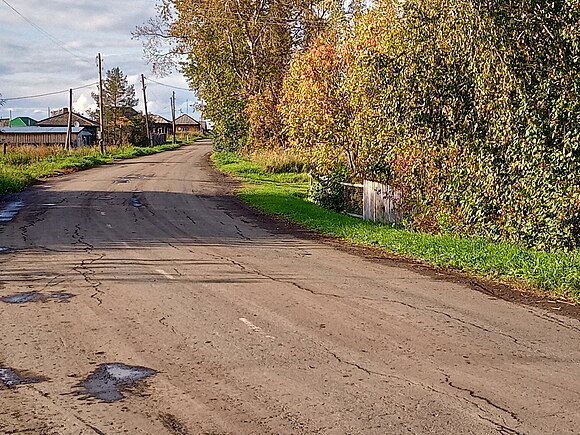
{"x": 370, "y": 200}
{"x": 381, "y": 202}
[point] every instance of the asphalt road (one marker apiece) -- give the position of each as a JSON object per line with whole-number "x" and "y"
{"x": 229, "y": 325}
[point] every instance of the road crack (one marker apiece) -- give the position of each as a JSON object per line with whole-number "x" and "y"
{"x": 502, "y": 427}
{"x": 163, "y": 321}
{"x": 84, "y": 269}
{"x": 241, "y": 234}
{"x": 366, "y": 298}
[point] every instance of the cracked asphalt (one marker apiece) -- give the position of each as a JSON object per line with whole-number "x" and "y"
{"x": 252, "y": 328}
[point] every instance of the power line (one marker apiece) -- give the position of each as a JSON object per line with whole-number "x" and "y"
{"x": 48, "y": 93}
{"x": 168, "y": 86}
{"x": 44, "y": 32}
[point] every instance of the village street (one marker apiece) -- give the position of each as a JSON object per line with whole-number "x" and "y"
{"x": 142, "y": 298}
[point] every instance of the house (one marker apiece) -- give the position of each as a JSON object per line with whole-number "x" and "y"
{"x": 44, "y": 136}
{"x": 22, "y": 121}
{"x": 185, "y": 125}
{"x": 160, "y": 125}
{"x": 61, "y": 120}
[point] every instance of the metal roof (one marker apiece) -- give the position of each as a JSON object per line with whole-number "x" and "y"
{"x": 61, "y": 120}
{"x": 158, "y": 119}
{"x": 38, "y": 130}
{"x": 186, "y": 120}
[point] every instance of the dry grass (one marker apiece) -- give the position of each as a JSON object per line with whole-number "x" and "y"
{"x": 278, "y": 161}
{"x": 24, "y": 165}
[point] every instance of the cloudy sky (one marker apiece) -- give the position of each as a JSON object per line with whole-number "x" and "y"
{"x": 52, "y": 46}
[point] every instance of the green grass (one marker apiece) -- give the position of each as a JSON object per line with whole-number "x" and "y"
{"x": 23, "y": 167}
{"x": 556, "y": 274}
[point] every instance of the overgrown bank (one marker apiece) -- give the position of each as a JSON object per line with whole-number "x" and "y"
{"x": 25, "y": 166}
{"x": 285, "y": 194}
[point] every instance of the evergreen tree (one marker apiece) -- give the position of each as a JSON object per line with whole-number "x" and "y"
{"x": 118, "y": 101}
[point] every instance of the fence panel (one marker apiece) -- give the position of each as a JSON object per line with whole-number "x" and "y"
{"x": 380, "y": 202}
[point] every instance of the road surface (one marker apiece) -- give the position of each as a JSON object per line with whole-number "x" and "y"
{"x": 142, "y": 298}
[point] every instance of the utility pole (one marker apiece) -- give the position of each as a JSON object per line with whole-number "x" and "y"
{"x": 173, "y": 115}
{"x": 101, "y": 108}
{"x": 69, "y": 124}
{"x": 149, "y": 138}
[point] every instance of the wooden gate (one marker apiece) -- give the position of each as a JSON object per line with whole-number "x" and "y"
{"x": 381, "y": 203}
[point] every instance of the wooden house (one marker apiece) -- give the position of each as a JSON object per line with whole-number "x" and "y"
{"x": 160, "y": 125}
{"x": 186, "y": 126}
{"x": 61, "y": 120}
{"x": 44, "y": 136}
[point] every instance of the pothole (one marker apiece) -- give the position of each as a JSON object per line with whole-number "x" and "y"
{"x": 139, "y": 177}
{"x": 135, "y": 202}
{"x": 24, "y": 298}
{"x": 11, "y": 378}
{"x": 108, "y": 382}
{"x": 121, "y": 181}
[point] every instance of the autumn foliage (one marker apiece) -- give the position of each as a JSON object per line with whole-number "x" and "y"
{"x": 470, "y": 108}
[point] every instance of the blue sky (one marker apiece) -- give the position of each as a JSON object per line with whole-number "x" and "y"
{"x": 32, "y": 62}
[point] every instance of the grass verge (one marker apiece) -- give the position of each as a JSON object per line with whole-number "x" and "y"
{"x": 22, "y": 167}
{"x": 556, "y": 274}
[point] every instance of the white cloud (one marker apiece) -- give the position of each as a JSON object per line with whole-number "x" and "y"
{"x": 31, "y": 63}
{"x": 84, "y": 102}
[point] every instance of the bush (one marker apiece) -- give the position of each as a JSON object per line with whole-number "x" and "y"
{"x": 471, "y": 108}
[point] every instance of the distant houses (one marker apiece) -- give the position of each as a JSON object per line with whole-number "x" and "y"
{"x": 51, "y": 131}
{"x": 185, "y": 126}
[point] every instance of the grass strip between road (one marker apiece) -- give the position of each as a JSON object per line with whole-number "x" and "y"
{"x": 556, "y": 274}
{"x": 24, "y": 167}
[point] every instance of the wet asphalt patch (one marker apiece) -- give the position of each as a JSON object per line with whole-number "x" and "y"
{"x": 108, "y": 382}
{"x": 10, "y": 378}
{"x": 24, "y": 298}
{"x": 10, "y": 211}
{"x": 135, "y": 202}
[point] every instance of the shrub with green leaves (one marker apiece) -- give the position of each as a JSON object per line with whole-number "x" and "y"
{"x": 472, "y": 109}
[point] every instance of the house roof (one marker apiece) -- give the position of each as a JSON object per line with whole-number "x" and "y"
{"x": 157, "y": 119}
{"x": 186, "y": 120}
{"x": 62, "y": 121}
{"x": 130, "y": 112}
{"x": 22, "y": 121}
{"x": 38, "y": 130}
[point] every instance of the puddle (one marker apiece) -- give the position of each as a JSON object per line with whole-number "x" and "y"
{"x": 135, "y": 202}
{"x": 139, "y": 177}
{"x": 10, "y": 211}
{"x": 109, "y": 380}
{"x": 5, "y": 250}
{"x": 62, "y": 297}
{"x": 10, "y": 378}
{"x": 121, "y": 181}
{"x": 24, "y": 298}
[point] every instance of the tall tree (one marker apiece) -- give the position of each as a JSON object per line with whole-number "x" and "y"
{"x": 236, "y": 53}
{"x": 118, "y": 101}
